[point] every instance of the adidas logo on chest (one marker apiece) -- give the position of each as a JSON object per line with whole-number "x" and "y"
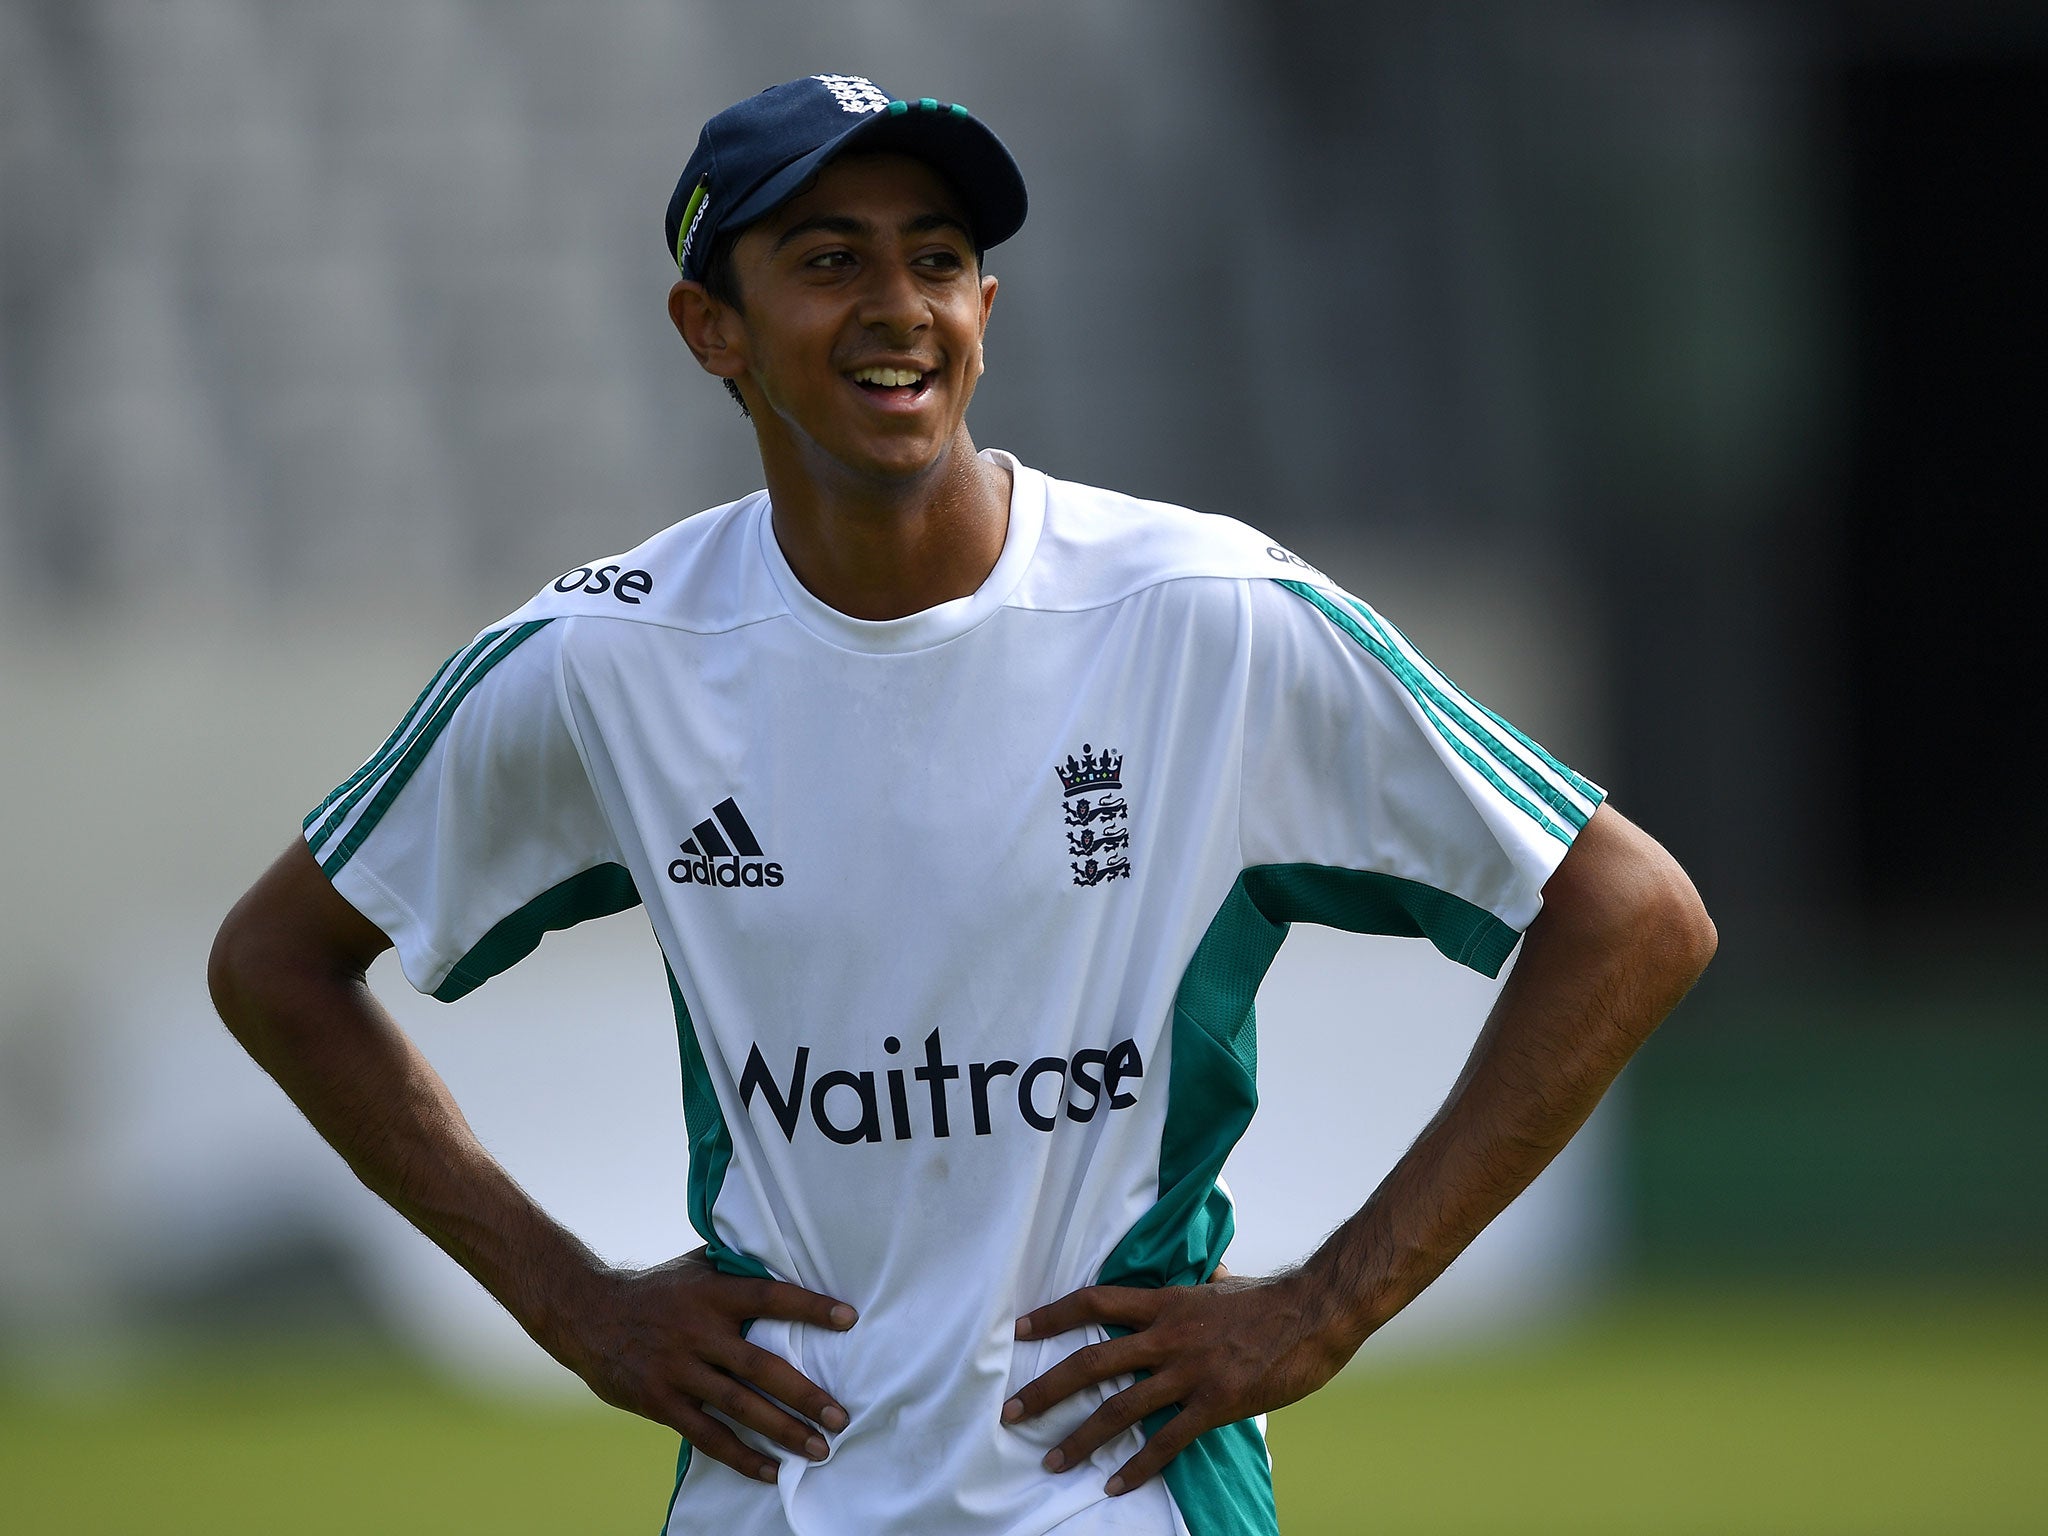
{"x": 722, "y": 850}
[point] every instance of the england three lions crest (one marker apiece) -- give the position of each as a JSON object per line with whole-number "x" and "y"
{"x": 1098, "y": 817}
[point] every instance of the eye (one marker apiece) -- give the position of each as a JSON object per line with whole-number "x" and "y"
{"x": 940, "y": 261}
{"x": 829, "y": 260}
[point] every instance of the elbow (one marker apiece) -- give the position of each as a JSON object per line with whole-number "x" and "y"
{"x": 1667, "y": 919}
{"x": 288, "y": 948}
{"x": 1685, "y": 931}
{"x": 229, "y": 966}
{"x": 1625, "y": 892}
{"x": 252, "y": 971}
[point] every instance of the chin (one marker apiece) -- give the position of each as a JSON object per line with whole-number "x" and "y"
{"x": 903, "y": 461}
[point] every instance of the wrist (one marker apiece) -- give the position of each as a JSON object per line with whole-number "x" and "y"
{"x": 1356, "y": 1286}
{"x": 1328, "y": 1313}
{"x": 563, "y": 1306}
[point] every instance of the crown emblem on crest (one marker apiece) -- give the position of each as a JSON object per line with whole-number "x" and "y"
{"x": 1090, "y": 771}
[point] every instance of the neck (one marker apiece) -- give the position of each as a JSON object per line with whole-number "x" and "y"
{"x": 884, "y": 548}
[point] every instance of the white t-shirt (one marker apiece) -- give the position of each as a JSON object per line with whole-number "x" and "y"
{"x": 964, "y": 913}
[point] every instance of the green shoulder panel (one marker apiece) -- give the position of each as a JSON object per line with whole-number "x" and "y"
{"x": 394, "y": 765}
{"x": 1522, "y": 773}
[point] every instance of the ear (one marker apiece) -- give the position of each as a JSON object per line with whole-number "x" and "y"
{"x": 988, "y": 300}
{"x": 712, "y": 330}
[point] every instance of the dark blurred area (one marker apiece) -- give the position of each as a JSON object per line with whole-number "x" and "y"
{"x": 1716, "y": 326}
{"x": 1858, "y": 1089}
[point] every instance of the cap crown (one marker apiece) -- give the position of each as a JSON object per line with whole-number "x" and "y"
{"x": 757, "y": 153}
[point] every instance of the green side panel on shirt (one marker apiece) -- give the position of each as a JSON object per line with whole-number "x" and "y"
{"x": 682, "y": 1469}
{"x": 1214, "y": 1090}
{"x": 1210, "y": 1100}
{"x": 710, "y": 1155}
{"x": 710, "y": 1143}
{"x": 597, "y": 892}
{"x": 1223, "y": 1482}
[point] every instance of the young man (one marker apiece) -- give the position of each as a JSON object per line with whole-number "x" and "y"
{"x": 968, "y": 807}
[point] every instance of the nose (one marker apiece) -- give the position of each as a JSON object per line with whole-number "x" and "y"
{"x": 893, "y": 302}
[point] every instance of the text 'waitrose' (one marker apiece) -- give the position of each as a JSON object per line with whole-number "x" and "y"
{"x": 1052, "y": 1086}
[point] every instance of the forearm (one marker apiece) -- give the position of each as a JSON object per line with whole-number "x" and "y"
{"x": 287, "y": 974}
{"x": 1617, "y": 946}
{"x": 313, "y": 1024}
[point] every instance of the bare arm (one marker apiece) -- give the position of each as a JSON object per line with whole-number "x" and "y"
{"x": 287, "y": 974}
{"x": 1621, "y": 938}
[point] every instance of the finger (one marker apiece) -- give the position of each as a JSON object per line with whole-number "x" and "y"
{"x": 792, "y": 1303}
{"x": 1083, "y": 1368}
{"x": 707, "y": 1435}
{"x": 743, "y": 1405}
{"x": 1125, "y": 1304}
{"x": 770, "y": 1373}
{"x": 1130, "y": 1406}
{"x": 1173, "y": 1437}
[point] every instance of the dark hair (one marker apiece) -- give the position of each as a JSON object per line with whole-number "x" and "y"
{"x": 723, "y": 283}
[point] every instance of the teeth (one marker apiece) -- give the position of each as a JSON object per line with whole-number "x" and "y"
{"x": 892, "y": 378}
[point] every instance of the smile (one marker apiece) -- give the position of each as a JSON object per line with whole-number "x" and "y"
{"x": 895, "y": 385}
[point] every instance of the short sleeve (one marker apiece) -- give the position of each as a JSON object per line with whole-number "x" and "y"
{"x": 1379, "y": 797}
{"x": 473, "y": 830}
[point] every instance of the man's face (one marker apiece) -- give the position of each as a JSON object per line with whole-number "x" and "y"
{"x": 864, "y": 308}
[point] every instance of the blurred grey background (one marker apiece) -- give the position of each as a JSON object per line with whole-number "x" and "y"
{"x": 1671, "y": 372}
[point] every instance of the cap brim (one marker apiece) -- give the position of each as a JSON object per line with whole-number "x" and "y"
{"x": 959, "y": 146}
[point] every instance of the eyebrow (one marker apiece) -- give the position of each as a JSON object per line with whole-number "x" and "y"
{"x": 847, "y": 224}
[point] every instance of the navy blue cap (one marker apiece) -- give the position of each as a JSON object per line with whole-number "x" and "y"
{"x": 753, "y": 157}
